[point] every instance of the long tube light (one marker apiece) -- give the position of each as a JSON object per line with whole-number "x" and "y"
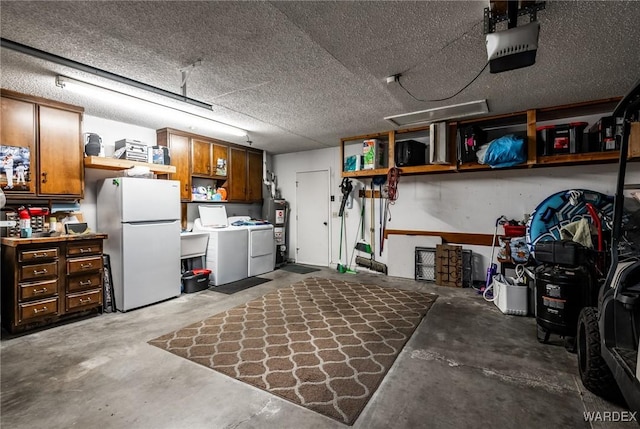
{"x": 56, "y": 59}
{"x": 103, "y": 92}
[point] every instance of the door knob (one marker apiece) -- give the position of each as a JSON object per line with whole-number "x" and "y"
{"x": 325, "y": 223}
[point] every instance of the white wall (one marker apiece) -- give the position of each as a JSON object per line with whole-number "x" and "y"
{"x": 455, "y": 202}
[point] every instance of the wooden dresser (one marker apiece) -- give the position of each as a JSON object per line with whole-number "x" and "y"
{"x": 47, "y": 279}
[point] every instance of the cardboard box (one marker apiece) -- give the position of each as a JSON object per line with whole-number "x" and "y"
{"x": 375, "y": 154}
{"x": 352, "y": 163}
{"x": 449, "y": 265}
{"x": 634, "y": 140}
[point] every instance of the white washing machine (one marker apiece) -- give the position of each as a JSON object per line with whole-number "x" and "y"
{"x": 260, "y": 243}
{"x": 227, "y": 250}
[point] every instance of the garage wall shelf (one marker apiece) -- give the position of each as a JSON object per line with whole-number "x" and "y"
{"x": 105, "y": 163}
{"x": 523, "y": 123}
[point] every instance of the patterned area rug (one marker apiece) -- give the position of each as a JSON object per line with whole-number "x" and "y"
{"x": 323, "y": 344}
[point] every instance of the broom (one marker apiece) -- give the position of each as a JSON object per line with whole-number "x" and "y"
{"x": 361, "y": 244}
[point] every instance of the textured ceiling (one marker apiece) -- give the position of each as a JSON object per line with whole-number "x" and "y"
{"x": 299, "y": 75}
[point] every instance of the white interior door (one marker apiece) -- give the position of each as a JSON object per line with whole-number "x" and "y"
{"x": 312, "y": 218}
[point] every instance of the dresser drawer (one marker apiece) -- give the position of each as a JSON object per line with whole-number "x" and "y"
{"x": 38, "y": 290}
{"x": 81, "y": 265}
{"x": 84, "y": 248}
{"x": 38, "y": 271}
{"x": 80, "y": 301}
{"x": 37, "y": 255}
{"x": 34, "y": 310}
{"x": 85, "y": 281}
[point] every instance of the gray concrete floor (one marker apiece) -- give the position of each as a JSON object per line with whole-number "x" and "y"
{"x": 467, "y": 365}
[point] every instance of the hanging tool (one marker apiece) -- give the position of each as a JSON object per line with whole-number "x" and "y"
{"x": 380, "y": 180}
{"x": 493, "y": 267}
{"x": 346, "y": 186}
{"x": 393, "y": 175}
{"x": 372, "y": 263}
{"x": 341, "y": 267}
{"x": 361, "y": 244}
{"x": 387, "y": 212}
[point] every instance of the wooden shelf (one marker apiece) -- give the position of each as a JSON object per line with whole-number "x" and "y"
{"x": 366, "y": 173}
{"x": 123, "y": 164}
{"x": 430, "y": 168}
{"x": 528, "y": 120}
{"x": 578, "y": 158}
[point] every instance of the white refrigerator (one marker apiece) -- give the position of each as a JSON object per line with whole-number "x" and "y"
{"x": 142, "y": 220}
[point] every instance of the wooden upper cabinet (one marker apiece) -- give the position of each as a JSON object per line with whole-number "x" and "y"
{"x": 61, "y": 171}
{"x": 220, "y": 158}
{"x": 201, "y": 158}
{"x": 179, "y": 153}
{"x": 238, "y": 174}
{"x": 18, "y": 136}
{"x": 254, "y": 176}
{"x": 203, "y": 161}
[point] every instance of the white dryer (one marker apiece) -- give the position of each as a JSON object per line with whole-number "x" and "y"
{"x": 260, "y": 243}
{"x": 227, "y": 251}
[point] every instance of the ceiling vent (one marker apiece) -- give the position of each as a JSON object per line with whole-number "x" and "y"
{"x": 472, "y": 108}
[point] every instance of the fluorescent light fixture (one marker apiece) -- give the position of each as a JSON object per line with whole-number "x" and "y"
{"x": 428, "y": 116}
{"x": 149, "y": 106}
{"x": 56, "y": 59}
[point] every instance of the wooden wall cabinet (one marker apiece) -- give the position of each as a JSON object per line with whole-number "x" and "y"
{"x": 45, "y": 280}
{"x": 47, "y": 136}
{"x": 180, "y": 152}
{"x": 254, "y": 176}
{"x": 60, "y": 153}
{"x": 18, "y": 129}
{"x": 201, "y": 155}
{"x": 245, "y": 175}
{"x": 205, "y": 158}
{"x": 197, "y": 157}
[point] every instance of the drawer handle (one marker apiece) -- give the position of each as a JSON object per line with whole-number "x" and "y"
{"x": 37, "y": 291}
{"x": 35, "y": 310}
{"x": 37, "y": 273}
{"x": 40, "y": 255}
{"x": 83, "y": 266}
{"x": 87, "y": 283}
{"x": 85, "y": 250}
{"x": 82, "y": 301}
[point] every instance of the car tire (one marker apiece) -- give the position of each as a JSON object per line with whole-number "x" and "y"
{"x": 594, "y": 372}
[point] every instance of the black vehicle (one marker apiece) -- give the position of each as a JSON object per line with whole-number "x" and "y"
{"x": 607, "y": 335}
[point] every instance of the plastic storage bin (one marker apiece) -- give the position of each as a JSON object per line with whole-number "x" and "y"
{"x": 514, "y": 230}
{"x": 510, "y": 299}
{"x": 195, "y": 280}
{"x": 562, "y": 138}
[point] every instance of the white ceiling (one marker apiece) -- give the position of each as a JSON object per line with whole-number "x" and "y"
{"x": 299, "y": 75}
